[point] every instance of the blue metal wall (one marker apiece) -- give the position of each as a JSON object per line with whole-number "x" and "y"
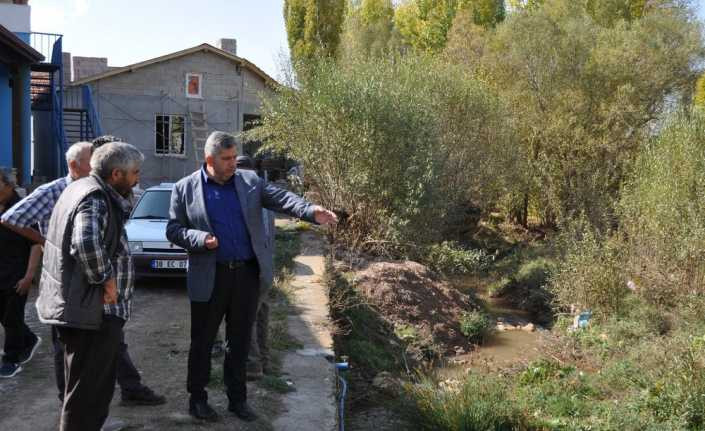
{"x": 5, "y": 117}
{"x": 24, "y": 172}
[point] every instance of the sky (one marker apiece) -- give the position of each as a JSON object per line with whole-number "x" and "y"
{"x": 130, "y": 31}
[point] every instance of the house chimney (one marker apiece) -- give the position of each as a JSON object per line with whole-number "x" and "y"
{"x": 229, "y": 45}
{"x": 88, "y": 66}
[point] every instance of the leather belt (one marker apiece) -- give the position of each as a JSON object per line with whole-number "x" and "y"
{"x": 236, "y": 264}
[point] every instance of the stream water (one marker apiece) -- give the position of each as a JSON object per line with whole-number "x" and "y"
{"x": 504, "y": 348}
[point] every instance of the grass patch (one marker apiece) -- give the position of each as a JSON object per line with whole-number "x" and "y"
{"x": 281, "y": 295}
{"x": 362, "y": 335}
{"x": 478, "y": 403}
{"x": 275, "y": 384}
{"x": 620, "y": 373}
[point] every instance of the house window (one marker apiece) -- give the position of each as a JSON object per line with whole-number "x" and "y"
{"x": 194, "y": 83}
{"x": 169, "y": 135}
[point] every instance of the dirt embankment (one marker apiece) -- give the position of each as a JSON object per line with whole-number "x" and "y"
{"x": 410, "y": 296}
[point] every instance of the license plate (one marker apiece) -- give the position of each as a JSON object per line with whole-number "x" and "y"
{"x": 170, "y": 264}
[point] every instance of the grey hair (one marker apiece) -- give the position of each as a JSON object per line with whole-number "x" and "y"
{"x": 217, "y": 142}
{"x": 75, "y": 150}
{"x": 7, "y": 176}
{"x": 115, "y": 155}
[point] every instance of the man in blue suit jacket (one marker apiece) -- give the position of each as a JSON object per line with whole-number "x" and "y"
{"x": 216, "y": 215}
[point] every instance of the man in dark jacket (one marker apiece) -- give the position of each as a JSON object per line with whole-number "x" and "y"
{"x": 18, "y": 262}
{"x": 216, "y": 215}
{"x": 87, "y": 280}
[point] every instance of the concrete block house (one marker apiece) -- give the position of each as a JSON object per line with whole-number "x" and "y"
{"x": 167, "y": 106}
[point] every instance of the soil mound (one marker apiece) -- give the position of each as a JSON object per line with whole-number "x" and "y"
{"x": 409, "y": 295}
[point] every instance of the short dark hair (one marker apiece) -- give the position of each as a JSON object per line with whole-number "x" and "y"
{"x": 244, "y": 162}
{"x": 102, "y": 140}
{"x": 219, "y": 141}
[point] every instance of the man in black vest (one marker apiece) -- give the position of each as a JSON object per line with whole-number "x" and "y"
{"x": 87, "y": 280}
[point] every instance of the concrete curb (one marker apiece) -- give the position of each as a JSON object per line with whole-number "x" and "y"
{"x": 312, "y": 406}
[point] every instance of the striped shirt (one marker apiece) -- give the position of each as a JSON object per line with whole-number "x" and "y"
{"x": 36, "y": 208}
{"x": 88, "y": 248}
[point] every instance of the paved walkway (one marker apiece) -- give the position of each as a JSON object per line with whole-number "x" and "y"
{"x": 312, "y": 405}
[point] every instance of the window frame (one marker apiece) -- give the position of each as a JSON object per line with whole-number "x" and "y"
{"x": 181, "y": 155}
{"x": 200, "y": 86}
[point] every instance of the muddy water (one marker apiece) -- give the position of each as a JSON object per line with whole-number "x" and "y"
{"x": 504, "y": 348}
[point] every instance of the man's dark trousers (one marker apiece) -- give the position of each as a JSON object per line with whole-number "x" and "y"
{"x": 128, "y": 377}
{"x": 235, "y": 296}
{"x": 18, "y": 336}
{"x": 90, "y": 368}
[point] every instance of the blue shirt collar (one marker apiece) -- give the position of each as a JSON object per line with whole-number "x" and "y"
{"x": 208, "y": 180}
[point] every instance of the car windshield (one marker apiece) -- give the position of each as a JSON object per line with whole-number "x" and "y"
{"x": 153, "y": 205}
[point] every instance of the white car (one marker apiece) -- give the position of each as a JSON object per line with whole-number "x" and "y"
{"x": 152, "y": 254}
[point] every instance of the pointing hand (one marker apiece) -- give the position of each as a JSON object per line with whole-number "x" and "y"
{"x": 324, "y": 216}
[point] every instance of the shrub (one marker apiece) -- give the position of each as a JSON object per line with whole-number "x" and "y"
{"x": 476, "y": 325}
{"x": 390, "y": 143}
{"x": 663, "y": 213}
{"x": 499, "y": 287}
{"x": 478, "y": 403}
{"x": 449, "y": 258}
{"x": 543, "y": 370}
{"x": 534, "y": 273}
{"x": 590, "y": 275}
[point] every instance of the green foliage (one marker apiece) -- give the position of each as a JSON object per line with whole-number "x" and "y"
{"x": 590, "y": 275}
{"x": 663, "y": 213}
{"x": 424, "y": 24}
{"x": 485, "y": 13}
{"x": 390, "y": 142}
{"x": 479, "y": 403}
{"x": 534, "y": 273}
{"x": 583, "y": 107}
{"x": 368, "y": 30}
{"x": 699, "y": 96}
{"x": 543, "y": 370}
{"x": 450, "y": 258}
{"x": 313, "y": 28}
{"x": 275, "y": 384}
{"x": 364, "y": 336}
{"x": 406, "y": 333}
{"x": 287, "y": 246}
{"x": 499, "y": 287}
{"x": 476, "y": 325}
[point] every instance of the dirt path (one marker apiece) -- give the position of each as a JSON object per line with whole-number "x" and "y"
{"x": 158, "y": 336}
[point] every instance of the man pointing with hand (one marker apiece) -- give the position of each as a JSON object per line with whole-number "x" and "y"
{"x": 216, "y": 215}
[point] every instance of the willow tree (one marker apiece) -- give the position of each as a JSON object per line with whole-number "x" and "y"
{"x": 313, "y": 27}
{"x": 424, "y": 24}
{"x": 368, "y": 30}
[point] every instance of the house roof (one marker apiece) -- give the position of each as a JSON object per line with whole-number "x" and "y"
{"x": 15, "y": 50}
{"x": 204, "y": 47}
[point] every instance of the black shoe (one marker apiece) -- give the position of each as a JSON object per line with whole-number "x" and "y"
{"x": 243, "y": 411}
{"x": 201, "y": 410}
{"x": 142, "y": 397}
{"x": 29, "y": 352}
